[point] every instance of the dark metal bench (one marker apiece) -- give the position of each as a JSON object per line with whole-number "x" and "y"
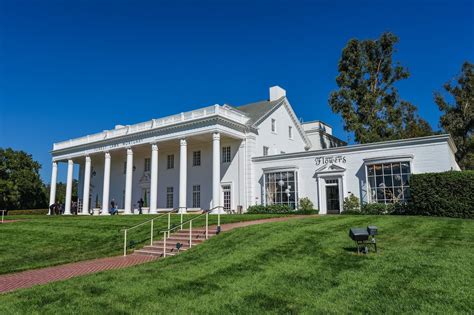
{"x": 361, "y": 237}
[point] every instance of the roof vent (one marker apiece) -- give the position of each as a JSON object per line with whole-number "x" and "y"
{"x": 276, "y": 92}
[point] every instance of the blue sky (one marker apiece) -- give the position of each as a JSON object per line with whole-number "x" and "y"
{"x": 71, "y": 68}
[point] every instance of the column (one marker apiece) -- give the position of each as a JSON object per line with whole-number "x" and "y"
{"x": 106, "y": 189}
{"x": 154, "y": 179}
{"x": 70, "y": 169}
{"x": 87, "y": 186}
{"x": 128, "y": 182}
{"x": 52, "y": 191}
{"x": 183, "y": 176}
{"x": 216, "y": 173}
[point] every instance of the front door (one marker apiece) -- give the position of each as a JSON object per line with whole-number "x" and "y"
{"x": 227, "y": 197}
{"x": 333, "y": 205}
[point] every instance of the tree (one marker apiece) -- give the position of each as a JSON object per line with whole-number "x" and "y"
{"x": 20, "y": 184}
{"x": 61, "y": 191}
{"x": 458, "y": 118}
{"x": 367, "y": 99}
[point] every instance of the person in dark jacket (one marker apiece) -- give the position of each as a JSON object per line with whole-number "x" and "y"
{"x": 113, "y": 208}
{"x": 140, "y": 205}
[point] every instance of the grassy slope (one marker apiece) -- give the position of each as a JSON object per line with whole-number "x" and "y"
{"x": 41, "y": 241}
{"x": 300, "y": 266}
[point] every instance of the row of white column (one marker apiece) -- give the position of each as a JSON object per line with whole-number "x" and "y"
{"x": 216, "y": 206}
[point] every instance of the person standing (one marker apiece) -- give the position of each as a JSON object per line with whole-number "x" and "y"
{"x": 74, "y": 207}
{"x": 140, "y": 205}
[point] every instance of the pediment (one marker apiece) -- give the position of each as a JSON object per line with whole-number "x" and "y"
{"x": 330, "y": 168}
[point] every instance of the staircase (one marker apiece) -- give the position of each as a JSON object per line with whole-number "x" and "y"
{"x": 158, "y": 248}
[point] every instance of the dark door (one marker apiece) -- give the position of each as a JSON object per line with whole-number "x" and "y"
{"x": 332, "y": 199}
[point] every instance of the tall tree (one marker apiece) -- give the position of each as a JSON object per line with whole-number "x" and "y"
{"x": 367, "y": 98}
{"x": 458, "y": 118}
{"x": 20, "y": 184}
{"x": 61, "y": 191}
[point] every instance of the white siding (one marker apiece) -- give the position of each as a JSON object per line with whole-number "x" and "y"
{"x": 279, "y": 141}
{"x": 429, "y": 157}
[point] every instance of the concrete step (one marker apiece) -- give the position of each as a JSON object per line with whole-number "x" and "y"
{"x": 174, "y": 239}
{"x": 168, "y": 248}
{"x": 148, "y": 253}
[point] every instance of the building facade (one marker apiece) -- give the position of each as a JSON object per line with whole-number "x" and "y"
{"x": 226, "y": 158}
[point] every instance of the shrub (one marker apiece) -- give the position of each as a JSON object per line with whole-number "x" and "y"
{"x": 256, "y": 209}
{"x": 271, "y": 209}
{"x": 306, "y": 207}
{"x": 448, "y": 194}
{"x": 278, "y": 209}
{"x": 351, "y": 205}
{"x": 31, "y": 211}
{"x": 376, "y": 208}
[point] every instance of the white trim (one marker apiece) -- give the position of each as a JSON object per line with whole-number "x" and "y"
{"x": 152, "y": 139}
{"x": 191, "y": 116}
{"x": 388, "y": 159}
{"x": 358, "y": 147}
{"x": 280, "y": 169}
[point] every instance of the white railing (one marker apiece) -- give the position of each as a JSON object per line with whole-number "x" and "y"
{"x": 224, "y": 111}
{"x": 166, "y": 233}
{"x": 125, "y": 231}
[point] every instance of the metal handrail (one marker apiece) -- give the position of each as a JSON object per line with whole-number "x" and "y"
{"x": 190, "y": 221}
{"x": 143, "y": 223}
{"x": 187, "y": 221}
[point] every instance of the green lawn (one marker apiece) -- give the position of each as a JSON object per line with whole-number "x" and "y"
{"x": 425, "y": 265}
{"x": 40, "y": 241}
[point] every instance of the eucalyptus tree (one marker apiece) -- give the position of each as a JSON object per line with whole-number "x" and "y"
{"x": 367, "y": 98}
{"x": 458, "y": 118}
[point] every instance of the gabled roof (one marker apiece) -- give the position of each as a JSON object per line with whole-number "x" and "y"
{"x": 257, "y": 110}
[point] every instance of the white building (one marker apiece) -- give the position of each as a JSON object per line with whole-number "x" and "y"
{"x": 223, "y": 157}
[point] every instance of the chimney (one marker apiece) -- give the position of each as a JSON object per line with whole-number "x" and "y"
{"x": 276, "y": 92}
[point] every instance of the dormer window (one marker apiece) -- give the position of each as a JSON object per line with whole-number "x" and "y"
{"x": 273, "y": 125}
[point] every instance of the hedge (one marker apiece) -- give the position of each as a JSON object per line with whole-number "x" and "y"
{"x": 448, "y": 194}
{"x": 278, "y": 209}
{"x": 31, "y": 211}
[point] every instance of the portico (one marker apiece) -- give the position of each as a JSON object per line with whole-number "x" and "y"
{"x": 151, "y": 172}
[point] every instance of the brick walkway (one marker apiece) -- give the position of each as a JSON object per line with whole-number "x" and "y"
{"x": 29, "y": 278}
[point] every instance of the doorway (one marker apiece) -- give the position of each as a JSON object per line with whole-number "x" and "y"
{"x": 333, "y": 195}
{"x": 227, "y": 197}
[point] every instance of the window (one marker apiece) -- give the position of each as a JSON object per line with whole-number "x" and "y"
{"x": 196, "y": 158}
{"x": 226, "y": 155}
{"x": 290, "y": 132}
{"x": 147, "y": 165}
{"x": 170, "y": 163}
{"x": 388, "y": 182}
{"x": 226, "y": 189}
{"x": 196, "y": 196}
{"x": 280, "y": 188}
{"x": 169, "y": 197}
{"x": 273, "y": 125}
{"x": 265, "y": 151}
